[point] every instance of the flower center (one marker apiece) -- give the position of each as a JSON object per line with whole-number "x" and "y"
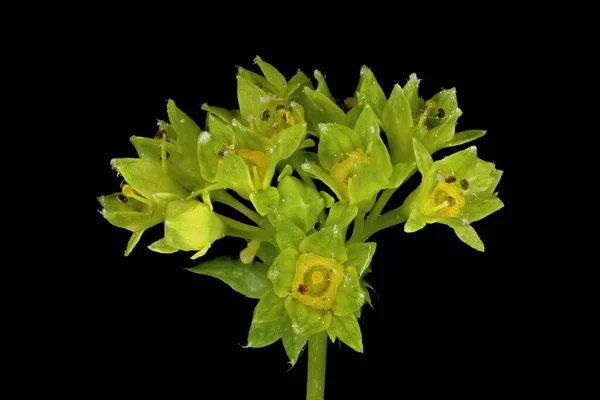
{"x": 316, "y": 281}
{"x": 445, "y": 200}
{"x": 317, "y": 277}
{"x": 258, "y": 162}
{"x": 342, "y": 172}
{"x": 274, "y": 118}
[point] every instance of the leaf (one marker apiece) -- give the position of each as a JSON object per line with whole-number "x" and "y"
{"x": 352, "y": 116}
{"x": 328, "y": 242}
{"x": 341, "y": 214}
{"x": 151, "y": 148}
{"x": 209, "y": 147}
{"x": 221, "y": 131}
{"x": 187, "y": 130}
{"x": 113, "y": 202}
{"x": 445, "y": 100}
{"x": 248, "y": 279}
{"x": 173, "y": 162}
{"x": 364, "y": 186}
{"x": 265, "y": 201}
{"x": 297, "y": 84}
{"x": 411, "y": 92}
{"x": 134, "y": 215}
{"x": 335, "y": 143}
{"x": 262, "y": 334}
{"x": 367, "y": 127}
{"x": 219, "y": 112}
{"x": 368, "y": 86}
{"x": 282, "y": 271}
{"x": 497, "y": 176}
{"x": 322, "y": 85}
{"x": 286, "y": 143}
{"x": 467, "y": 234}
{"x": 251, "y": 99}
{"x": 269, "y": 308}
{"x": 329, "y": 200}
{"x": 397, "y": 121}
{"x": 479, "y": 206}
{"x": 480, "y": 176}
{"x": 415, "y": 222}
{"x": 346, "y": 328}
{"x": 400, "y": 173}
{"x": 439, "y": 136}
{"x": 360, "y": 256}
{"x": 161, "y": 246}
{"x": 365, "y": 287}
{"x": 293, "y": 343}
{"x": 315, "y": 170}
{"x": 134, "y": 221}
{"x": 301, "y": 203}
{"x": 319, "y": 108}
{"x": 273, "y": 76}
{"x": 374, "y": 146}
{"x": 465, "y": 137}
{"x": 288, "y": 235}
{"x": 257, "y": 79}
{"x": 269, "y": 321}
{"x": 233, "y": 173}
{"x": 350, "y": 296}
{"x": 458, "y": 164}
{"x": 267, "y": 253}
{"x": 424, "y": 160}
{"x": 306, "y": 321}
{"x": 146, "y": 177}
{"x": 133, "y": 241}
{"x": 288, "y": 170}
{"x": 308, "y": 143}
{"x": 246, "y": 138}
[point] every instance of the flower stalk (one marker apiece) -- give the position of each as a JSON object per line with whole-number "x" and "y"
{"x": 317, "y": 360}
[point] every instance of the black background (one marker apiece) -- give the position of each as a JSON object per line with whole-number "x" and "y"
{"x": 446, "y": 318}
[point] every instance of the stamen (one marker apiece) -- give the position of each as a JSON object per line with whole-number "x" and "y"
{"x": 449, "y": 202}
{"x": 451, "y": 179}
{"x": 430, "y": 104}
{"x": 128, "y": 191}
{"x": 289, "y": 118}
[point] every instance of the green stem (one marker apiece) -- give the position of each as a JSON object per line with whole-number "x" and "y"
{"x": 222, "y": 196}
{"x": 357, "y": 231}
{"x": 386, "y": 195}
{"x": 391, "y": 218}
{"x": 317, "y": 355}
{"x": 375, "y": 222}
{"x": 244, "y": 231}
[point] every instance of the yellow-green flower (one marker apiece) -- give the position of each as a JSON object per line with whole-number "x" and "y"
{"x": 143, "y": 199}
{"x": 456, "y": 191}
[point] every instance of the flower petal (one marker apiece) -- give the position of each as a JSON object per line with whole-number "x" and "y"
{"x": 282, "y": 271}
{"x": 306, "y": 320}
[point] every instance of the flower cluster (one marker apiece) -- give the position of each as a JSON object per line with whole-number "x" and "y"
{"x": 262, "y": 160}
